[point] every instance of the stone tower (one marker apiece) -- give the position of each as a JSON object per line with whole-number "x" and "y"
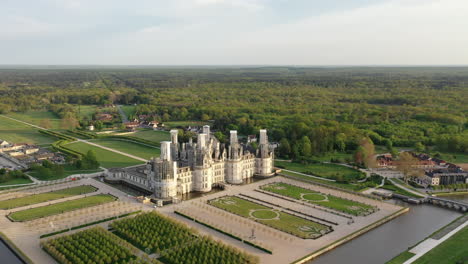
{"x": 264, "y": 157}
{"x": 165, "y": 173}
{"x": 234, "y": 160}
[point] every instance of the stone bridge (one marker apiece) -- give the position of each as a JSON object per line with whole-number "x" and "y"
{"x": 457, "y": 205}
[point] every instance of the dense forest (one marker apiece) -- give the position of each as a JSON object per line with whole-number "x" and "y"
{"x": 309, "y": 110}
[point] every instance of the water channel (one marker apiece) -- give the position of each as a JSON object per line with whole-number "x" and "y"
{"x": 385, "y": 242}
{"x": 7, "y": 256}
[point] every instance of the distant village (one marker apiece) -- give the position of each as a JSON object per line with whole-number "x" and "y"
{"x": 23, "y": 155}
{"x": 436, "y": 171}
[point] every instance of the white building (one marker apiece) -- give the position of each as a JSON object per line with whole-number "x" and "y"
{"x": 188, "y": 167}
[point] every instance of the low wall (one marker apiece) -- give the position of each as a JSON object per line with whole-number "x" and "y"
{"x": 350, "y": 237}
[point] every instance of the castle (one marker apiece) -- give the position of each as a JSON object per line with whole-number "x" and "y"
{"x": 196, "y": 167}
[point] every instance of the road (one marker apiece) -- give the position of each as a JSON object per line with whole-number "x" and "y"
{"x": 84, "y": 141}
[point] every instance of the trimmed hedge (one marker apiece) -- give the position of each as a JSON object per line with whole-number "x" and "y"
{"x": 224, "y": 232}
{"x": 84, "y": 134}
{"x": 56, "y": 134}
{"x": 58, "y": 145}
{"x": 89, "y": 224}
{"x": 134, "y": 139}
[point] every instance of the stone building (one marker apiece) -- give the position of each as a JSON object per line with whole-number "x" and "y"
{"x": 197, "y": 167}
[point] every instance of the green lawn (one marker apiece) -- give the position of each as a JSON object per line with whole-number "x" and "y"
{"x": 68, "y": 170}
{"x": 16, "y": 132}
{"x": 174, "y": 124}
{"x": 106, "y": 158}
{"x": 152, "y": 135}
{"x": 452, "y": 250}
{"x": 129, "y": 110}
{"x": 139, "y": 150}
{"x": 59, "y": 208}
{"x": 86, "y": 111}
{"x": 454, "y": 157}
{"x": 285, "y": 222}
{"x": 44, "y": 197}
{"x": 325, "y": 170}
{"x": 313, "y": 197}
{"x": 347, "y": 186}
{"x": 333, "y": 155}
{"x": 35, "y": 117}
{"x": 401, "y": 258}
{"x": 16, "y": 181}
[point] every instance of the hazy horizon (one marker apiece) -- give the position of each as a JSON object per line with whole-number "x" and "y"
{"x": 234, "y": 32}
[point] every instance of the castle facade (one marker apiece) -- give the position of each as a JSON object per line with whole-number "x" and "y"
{"x": 197, "y": 167}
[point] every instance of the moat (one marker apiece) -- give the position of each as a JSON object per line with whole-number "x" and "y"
{"x": 385, "y": 242}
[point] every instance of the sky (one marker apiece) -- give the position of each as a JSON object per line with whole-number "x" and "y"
{"x": 234, "y": 32}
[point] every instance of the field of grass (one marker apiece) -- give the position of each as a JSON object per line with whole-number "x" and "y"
{"x": 401, "y": 258}
{"x": 454, "y": 157}
{"x": 313, "y": 197}
{"x": 285, "y": 222}
{"x": 347, "y": 186}
{"x": 44, "y": 197}
{"x": 129, "y": 110}
{"x": 16, "y": 181}
{"x": 106, "y": 158}
{"x": 333, "y": 155}
{"x": 139, "y": 150}
{"x": 325, "y": 170}
{"x": 452, "y": 250}
{"x": 59, "y": 208}
{"x": 36, "y": 116}
{"x": 86, "y": 111}
{"x": 68, "y": 170}
{"x": 16, "y": 132}
{"x": 174, "y": 124}
{"x": 151, "y": 135}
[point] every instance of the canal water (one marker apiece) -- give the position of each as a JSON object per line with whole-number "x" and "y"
{"x": 386, "y": 241}
{"x": 7, "y": 256}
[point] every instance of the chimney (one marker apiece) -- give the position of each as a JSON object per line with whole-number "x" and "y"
{"x": 166, "y": 150}
{"x": 201, "y": 141}
{"x": 233, "y": 138}
{"x": 174, "y": 134}
{"x": 263, "y": 136}
{"x": 206, "y": 130}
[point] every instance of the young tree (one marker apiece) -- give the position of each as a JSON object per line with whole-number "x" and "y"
{"x": 306, "y": 146}
{"x": 407, "y": 166}
{"x": 419, "y": 147}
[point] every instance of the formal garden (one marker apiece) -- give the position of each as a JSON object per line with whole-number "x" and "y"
{"x": 62, "y": 207}
{"x": 95, "y": 245}
{"x": 44, "y": 197}
{"x": 326, "y": 200}
{"x": 175, "y": 242}
{"x": 291, "y": 224}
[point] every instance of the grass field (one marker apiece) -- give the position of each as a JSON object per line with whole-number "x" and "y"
{"x": 334, "y": 155}
{"x": 174, "y": 124}
{"x": 325, "y": 170}
{"x": 139, "y": 150}
{"x": 401, "y": 258}
{"x": 285, "y": 222}
{"x": 44, "y": 197}
{"x": 68, "y": 170}
{"x": 16, "y": 132}
{"x": 106, "y": 158}
{"x": 58, "y": 208}
{"x": 347, "y": 186}
{"x": 452, "y": 250}
{"x": 151, "y": 135}
{"x": 86, "y": 111}
{"x": 313, "y": 197}
{"x": 129, "y": 110}
{"x": 16, "y": 181}
{"x": 35, "y": 117}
